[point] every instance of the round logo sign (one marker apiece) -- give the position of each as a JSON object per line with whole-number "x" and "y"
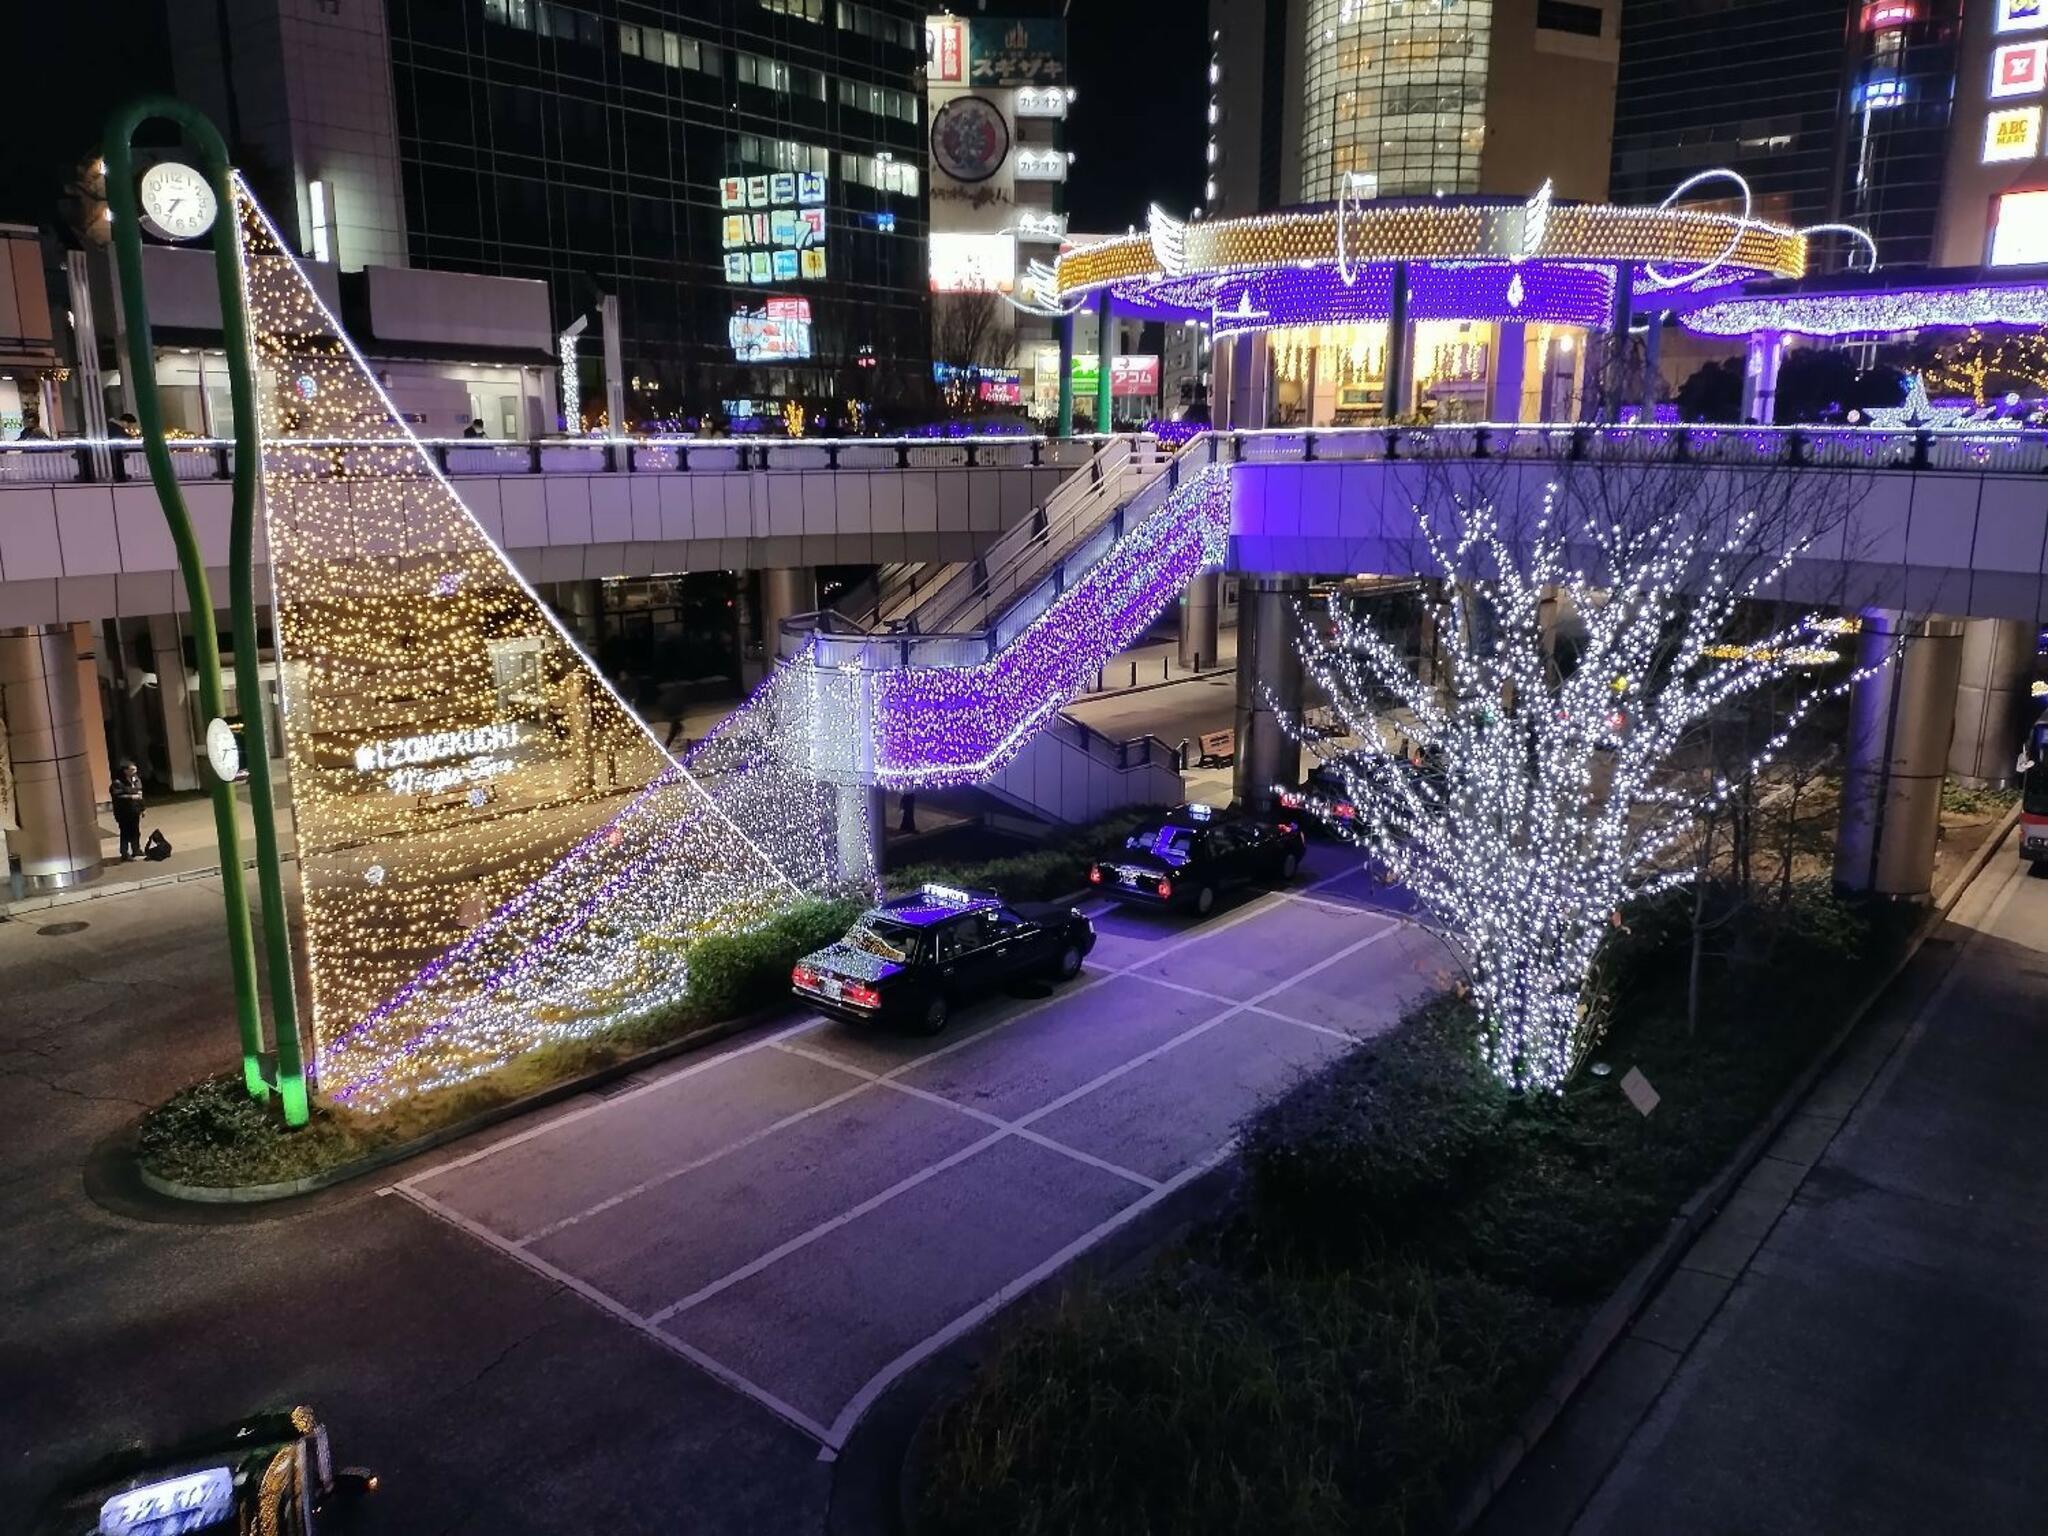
{"x": 970, "y": 140}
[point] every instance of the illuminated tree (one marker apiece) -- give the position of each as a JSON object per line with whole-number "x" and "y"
{"x": 1539, "y": 798}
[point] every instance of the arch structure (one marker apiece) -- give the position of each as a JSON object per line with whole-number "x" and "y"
{"x": 496, "y": 854}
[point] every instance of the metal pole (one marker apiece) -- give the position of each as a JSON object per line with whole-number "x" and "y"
{"x": 1399, "y": 342}
{"x": 127, "y": 240}
{"x": 1105, "y": 350}
{"x": 1066, "y": 335}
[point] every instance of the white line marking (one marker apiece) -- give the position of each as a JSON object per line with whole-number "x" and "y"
{"x": 705, "y": 1161}
{"x": 625, "y": 1314}
{"x": 973, "y": 1317}
{"x": 1321, "y": 1029}
{"x": 667, "y": 1079}
{"x": 804, "y": 1239}
{"x": 1029, "y": 1135}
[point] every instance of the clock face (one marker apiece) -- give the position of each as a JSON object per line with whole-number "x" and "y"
{"x": 223, "y": 750}
{"x": 177, "y": 202}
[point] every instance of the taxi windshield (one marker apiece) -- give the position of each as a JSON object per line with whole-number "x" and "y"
{"x": 883, "y": 936}
{"x": 1172, "y": 844}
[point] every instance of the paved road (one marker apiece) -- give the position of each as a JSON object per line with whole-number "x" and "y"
{"x": 817, "y": 1208}
{"x": 1877, "y": 1365}
{"x": 809, "y": 1215}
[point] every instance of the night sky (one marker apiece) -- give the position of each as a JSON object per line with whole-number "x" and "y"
{"x": 1140, "y": 124}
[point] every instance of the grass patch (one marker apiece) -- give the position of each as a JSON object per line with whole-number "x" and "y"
{"x": 212, "y": 1135}
{"x": 1406, "y": 1261}
{"x": 1054, "y": 868}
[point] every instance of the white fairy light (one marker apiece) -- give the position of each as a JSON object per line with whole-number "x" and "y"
{"x": 1538, "y": 806}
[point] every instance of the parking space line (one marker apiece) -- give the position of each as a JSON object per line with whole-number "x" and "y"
{"x": 1018, "y": 1130}
{"x": 874, "y": 1202}
{"x": 605, "y": 1302}
{"x": 803, "y": 1026}
{"x": 1321, "y": 1029}
{"x": 705, "y": 1161}
{"x": 824, "y": 1228}
{"x": 974, "y": 1316}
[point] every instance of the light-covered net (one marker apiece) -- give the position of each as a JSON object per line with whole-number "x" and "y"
{"x": 496, "y": 854}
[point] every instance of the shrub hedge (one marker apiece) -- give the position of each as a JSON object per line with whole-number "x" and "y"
{"x": 1406, "y": 1260}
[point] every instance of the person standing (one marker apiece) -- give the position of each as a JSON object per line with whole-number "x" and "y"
{"x": 126, "y": 793}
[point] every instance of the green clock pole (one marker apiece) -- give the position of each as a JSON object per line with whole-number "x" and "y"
{"x": 127, "y": 237}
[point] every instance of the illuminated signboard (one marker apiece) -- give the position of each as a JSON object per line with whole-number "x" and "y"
{"x": 189, "y": 1503}
{"x": 2020, "y": 15}
{"x": 1881, "y": 92}
{"x": 2017, "y": 69}
{"x": 1021, "y": 52}
{"x": 773, "y": 227}
{"x": 973, "y": 263}
{"x": 1128, "y": 375}
{"x": 779, "y": 332}
{"x": 945, "y": 50}
{"x": 2019, "y": 230}
{"x": 2014, "y": 133}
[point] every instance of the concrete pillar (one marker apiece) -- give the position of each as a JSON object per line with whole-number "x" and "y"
{"x": 48, "y": 734}
{"x": 1065, "y": 330}
{"x": 785, "y": 592}
{"x": 1199, "y": 606}
{"x": 1760, "y": 376}
{"x": 1504, "y": 402}
{"x": 1250, "y": 381}
{"x": 1900, "y": 719}
{"x": 861, "y": 826}
{"x": 1653, "y": 345}
{"x": 1105, "y": 351}
{"x": 1269, "y": 688}
{"x": 581, "y": 604}
{"x": 1400, "y": 347}
{"x": 181, "y": 747}
{"x": 1993, "y": 706}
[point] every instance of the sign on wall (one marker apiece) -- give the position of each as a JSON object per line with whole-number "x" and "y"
{"x": 2014, "y": 133}
{"x": 778, "y": 332}
{"x": 772, "y": 227}
{"x": 970, "y": 138}
{"x": 1029, "y": 51}
{"x": 945, "y": 50}
{"x": 2019, "y": 230}
{"x": 973, "y": 262}
{"x": 2017, "y": 69}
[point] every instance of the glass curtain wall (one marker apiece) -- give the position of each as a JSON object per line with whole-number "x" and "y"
{"x": 1393, "y": 90}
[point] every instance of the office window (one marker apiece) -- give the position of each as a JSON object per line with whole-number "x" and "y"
{"x": 1566, "y": 16}
{"x": 667, "y": 48}
{"x": 803, "y": 10}
{"x": 881, "y": 100}
{"x": 511, "y": 13}
{"x": 783, "y": 154}
{"x": 883, "y": 175}
{"x": 863, "y": 21}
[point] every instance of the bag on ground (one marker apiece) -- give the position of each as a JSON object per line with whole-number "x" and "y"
{"x": 158, "y": 848}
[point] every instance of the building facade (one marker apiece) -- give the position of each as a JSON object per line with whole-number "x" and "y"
{"x": 1316, "y": 99}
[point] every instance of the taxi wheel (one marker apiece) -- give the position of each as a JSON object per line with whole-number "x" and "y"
{"x": 1289, "y": 863}
{"x": 934, "y": 1021}
{"x": 1070, "y": 962}
{"x": 1205, "y": 900}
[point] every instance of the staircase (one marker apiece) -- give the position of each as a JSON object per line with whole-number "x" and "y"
{"x": 970, "y": 689}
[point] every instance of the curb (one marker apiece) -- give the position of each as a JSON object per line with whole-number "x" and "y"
{"x": 497, "y": 1114}
{"x": 1626, "y": 1303}
{"x": 97, "y": 892}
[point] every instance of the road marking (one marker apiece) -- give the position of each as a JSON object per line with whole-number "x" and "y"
{"x": 705, "y": 1161}
{"x": 1026, "y": 1133}
{"x": 874, "y": 1202}
{"x": 973, "y": 1317}
{"x": 605, "y": 1302}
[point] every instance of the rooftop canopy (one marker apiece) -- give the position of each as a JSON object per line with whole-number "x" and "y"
{"x": 1467, "y": 258}
{"x": 1892, "y": 302}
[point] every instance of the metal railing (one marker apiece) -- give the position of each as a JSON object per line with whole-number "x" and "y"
{"x": 1967, "y": 448}
{"x": 1019, "y": 560}
{"x": 76, "y": 461}
{"x": 1125, "y": 754}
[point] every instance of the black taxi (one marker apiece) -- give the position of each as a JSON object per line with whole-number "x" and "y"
{"x": 1194, "y": 854}
{"x": 911, "y": 960}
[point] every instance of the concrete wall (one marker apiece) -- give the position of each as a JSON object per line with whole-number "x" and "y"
{"x": 457, "y": 309}
{"x": 1969, "y": 545}
{"x": 89, "y": 552}
{"x": 1549, "y": 103}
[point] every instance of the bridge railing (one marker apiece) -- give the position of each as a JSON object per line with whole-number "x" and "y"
{"x": 73, "y": 461}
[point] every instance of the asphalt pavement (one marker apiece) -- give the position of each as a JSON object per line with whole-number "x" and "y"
{"x": 653, "y": 1308}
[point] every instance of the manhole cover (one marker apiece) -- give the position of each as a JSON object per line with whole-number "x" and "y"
{"x": 58, "y": 930}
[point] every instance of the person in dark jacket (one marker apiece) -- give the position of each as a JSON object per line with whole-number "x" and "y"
{"x": 126, "y": 793}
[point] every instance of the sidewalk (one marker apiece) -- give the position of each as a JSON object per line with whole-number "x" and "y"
{"x": 186, "y": 821}
{"x": 1857, "y": 1340}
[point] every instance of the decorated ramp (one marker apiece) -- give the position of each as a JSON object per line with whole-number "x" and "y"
{"x": 495, "y": 853}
